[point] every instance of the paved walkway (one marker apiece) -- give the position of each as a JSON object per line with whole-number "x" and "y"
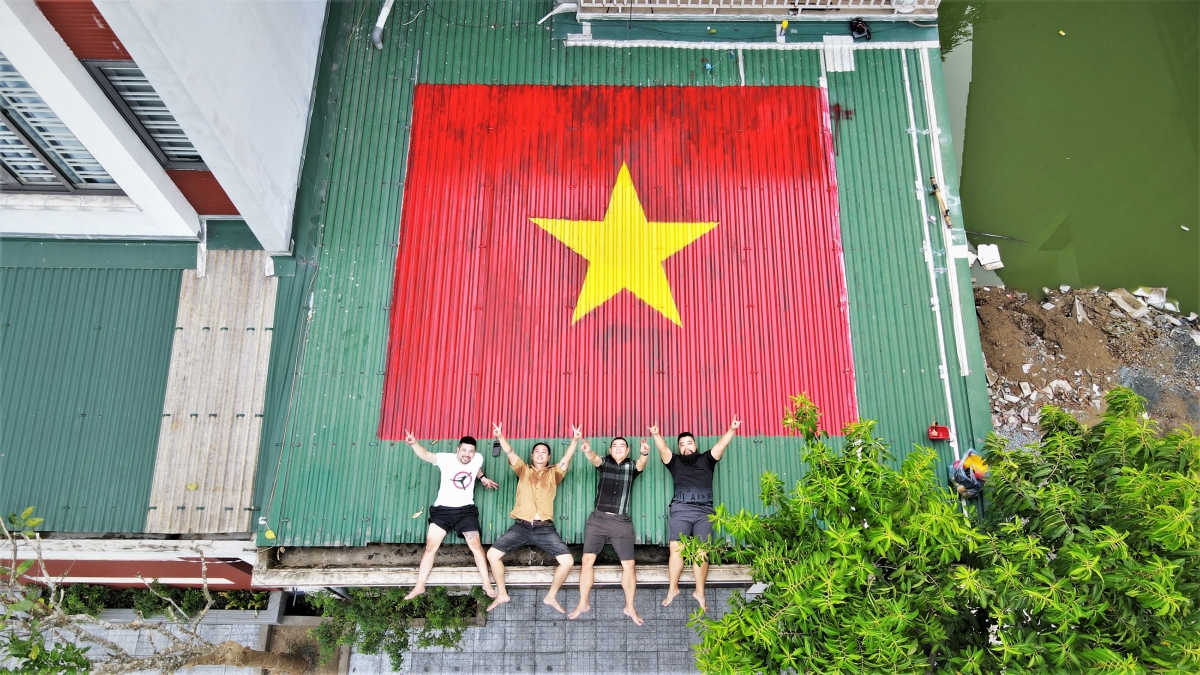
{"x": 526, "y": 636}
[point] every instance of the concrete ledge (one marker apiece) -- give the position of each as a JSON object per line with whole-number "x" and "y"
{"x": 606, "y": 575}
{"x": 269, "y": 616}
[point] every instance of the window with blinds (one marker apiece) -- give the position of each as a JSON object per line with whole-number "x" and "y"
{"x": 38, "y": 151}
{"x": 145, "y": 111}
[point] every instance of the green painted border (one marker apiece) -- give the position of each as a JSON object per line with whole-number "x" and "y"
{"x": 230, "y": 235}
{"x": 91, "y": 253}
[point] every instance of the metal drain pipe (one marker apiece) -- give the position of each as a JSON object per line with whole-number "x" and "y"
{"x": 377, "y": 33}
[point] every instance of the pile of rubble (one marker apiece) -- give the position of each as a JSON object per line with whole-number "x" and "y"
{"x": 1075, "y": 345}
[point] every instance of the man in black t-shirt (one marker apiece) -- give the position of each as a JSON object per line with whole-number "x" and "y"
{"x": 692, "y": 503}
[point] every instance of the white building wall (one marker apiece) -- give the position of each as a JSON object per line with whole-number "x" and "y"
{"x": 156, "y": 209}
{"x": 238, "y": 76}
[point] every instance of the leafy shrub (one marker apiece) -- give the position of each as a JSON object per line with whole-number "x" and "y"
{"x": 380, "y": 620}
{"x": 34, "y": 657}
{"x": 1092, "y": 561}
{"x": 1087, "y": 561}
{"x": 90, "y": 599}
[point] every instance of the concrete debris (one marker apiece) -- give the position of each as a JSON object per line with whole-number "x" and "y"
{"x": 1155, "y": 297}
{"x": 1080, "y": 314}
{"x": 989, "y": 257}
{"x": 1071, "y": 347}
{"x": 1061, "y": 384}
{"x": 1132, "y": 305}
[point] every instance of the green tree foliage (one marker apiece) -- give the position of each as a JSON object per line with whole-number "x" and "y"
{"x": 1091, "y": 561}
{"x": 91, "y": 599}
{"x": 1087, "y": 562}
{"x": 35, "y": 658}
{"x": 378, "y": 620}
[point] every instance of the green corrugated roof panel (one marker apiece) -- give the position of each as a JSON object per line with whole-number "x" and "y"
{"x": 84, "y": 355}
{"x": 324, "y": 477}
{"x": 896, "y": 349}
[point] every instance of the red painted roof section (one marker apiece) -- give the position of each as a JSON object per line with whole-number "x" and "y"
{"x": 84, "y": 29}
{"x": 123, "y": 573}
{"x": 203, "y": 192}
{"x": 481, "y": 325}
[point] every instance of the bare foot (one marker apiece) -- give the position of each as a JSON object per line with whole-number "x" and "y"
{"x": 489, "y": 591}
{"x": 671, "y": 593}
{"x": 632, "y": 614}
{"x": 553, "y": 602}
{"x": 701, "y": 599}
{"x": 500, "y": 600}
{"x": 417, "y": 590}
{"x": 579, "y": 609}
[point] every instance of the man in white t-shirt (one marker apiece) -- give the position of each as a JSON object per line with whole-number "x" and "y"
{"x": 455, "y": 506}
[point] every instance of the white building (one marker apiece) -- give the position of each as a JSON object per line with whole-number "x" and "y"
{"x": 142, "y": 119}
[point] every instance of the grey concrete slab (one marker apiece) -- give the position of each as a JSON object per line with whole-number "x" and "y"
{"x": 612, "y": 662}
{"x": 551, "y": 662}
{"x": 519, "y": 636}
{"x": 581, "y": 662}
{"x": 549, "y": 637}
{"x": 604, "y": 640}
{"x": 519, "y": 663}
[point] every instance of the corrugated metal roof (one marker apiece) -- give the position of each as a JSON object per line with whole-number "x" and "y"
{"x": 611, "y": 256}
{"x": 83, "y": 359}
{"x": 212, "y": 415}
{"x": 327, "y": 479}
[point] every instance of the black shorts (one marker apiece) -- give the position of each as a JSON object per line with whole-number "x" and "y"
{"x": 460, "y": 519}
{"x": 542, "y": 536}
{"x": 605, "y": 528}
{"x": 689, "y": 520}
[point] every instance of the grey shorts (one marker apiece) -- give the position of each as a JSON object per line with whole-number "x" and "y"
{"x": 605, "y": 528}
{"x": 523, "y": 534}
{"x": 689, "y": 520}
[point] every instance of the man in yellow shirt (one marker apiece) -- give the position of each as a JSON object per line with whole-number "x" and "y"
{"x": 534, "y": 514}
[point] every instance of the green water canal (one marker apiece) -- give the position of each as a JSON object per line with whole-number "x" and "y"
{"x": 1084, "y": 142}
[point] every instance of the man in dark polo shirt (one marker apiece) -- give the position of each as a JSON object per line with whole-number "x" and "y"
{"x": 611, "y": 523}
{"x": 692, "y": 502}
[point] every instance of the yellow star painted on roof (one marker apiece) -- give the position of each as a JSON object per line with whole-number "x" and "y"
{"x": 625, "y": 251}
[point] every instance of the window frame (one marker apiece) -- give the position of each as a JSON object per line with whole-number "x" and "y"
{"x": 9, "y": 182}
{"x": 94, "y": 67}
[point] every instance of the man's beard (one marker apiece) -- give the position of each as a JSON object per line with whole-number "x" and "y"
{"x": 689, "y": 459}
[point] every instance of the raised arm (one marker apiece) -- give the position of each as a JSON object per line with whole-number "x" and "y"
{"x": 485, "y": 481}
{"x": 421, "y": 452}
{"x": 641, "y": 463}
{"x": 498, "y": 432}
{"x": 664, "y": 453}
{"x": 591, "y": 456}
{"x": 576, "y": 435}
{"x": 719, "y": 448}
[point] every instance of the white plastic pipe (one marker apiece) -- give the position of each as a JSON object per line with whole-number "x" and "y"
{"x": 377, "y": 33}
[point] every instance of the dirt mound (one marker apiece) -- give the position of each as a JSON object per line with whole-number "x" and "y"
{"x": 1074, "y": 346}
